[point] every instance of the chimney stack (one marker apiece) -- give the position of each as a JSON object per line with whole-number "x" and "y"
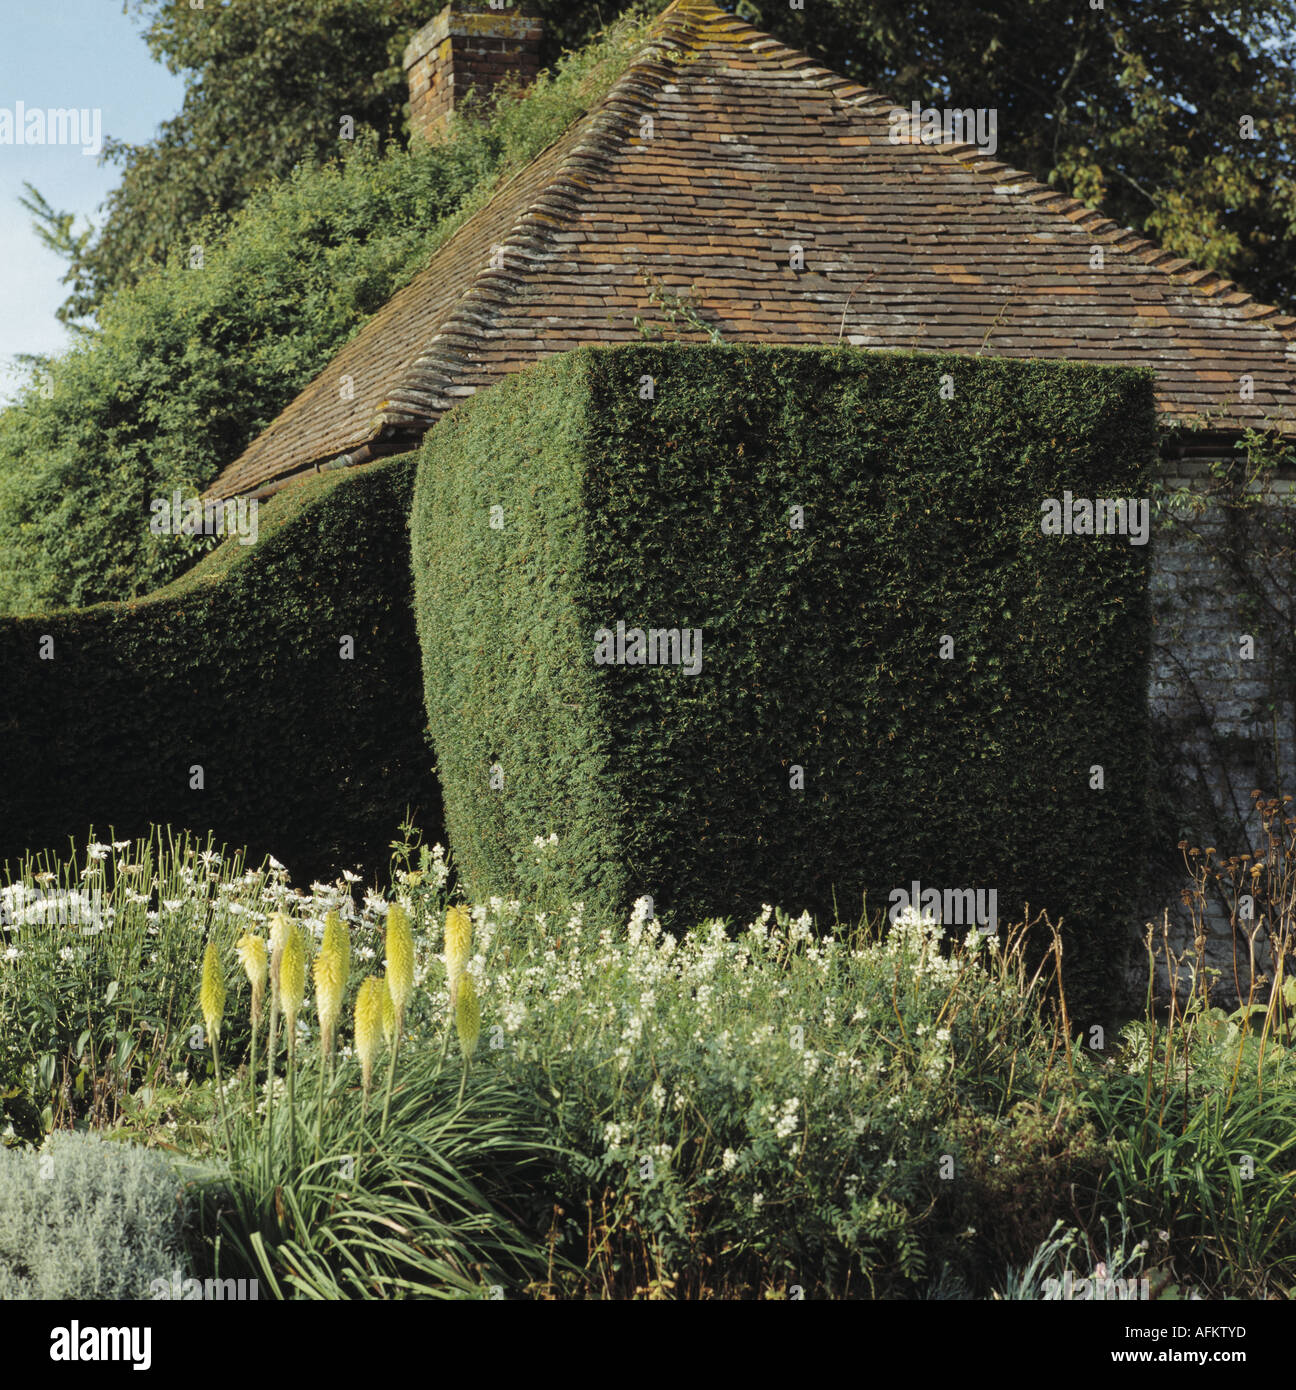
{"x": 471, "y": 46}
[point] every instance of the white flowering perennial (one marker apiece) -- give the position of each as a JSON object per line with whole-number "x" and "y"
{"x": 746, "y": 1060}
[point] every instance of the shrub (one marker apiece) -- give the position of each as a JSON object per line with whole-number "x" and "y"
{"x": 239, "y": 669}
{"x": 822, "y": 643}
{"x": 1023, "y": 1173}
{"x": 87, "y": 1219}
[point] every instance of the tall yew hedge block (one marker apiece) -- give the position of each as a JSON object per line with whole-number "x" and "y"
{"x": 902, "y": 677}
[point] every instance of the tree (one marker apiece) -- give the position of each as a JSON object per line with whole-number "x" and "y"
{"x": 270, "y": 84}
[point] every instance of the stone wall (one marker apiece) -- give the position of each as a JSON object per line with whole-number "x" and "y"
{"x": 1223, "y": 720}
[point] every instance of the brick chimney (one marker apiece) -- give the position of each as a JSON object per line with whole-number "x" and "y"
{"x": 472, "y": 45}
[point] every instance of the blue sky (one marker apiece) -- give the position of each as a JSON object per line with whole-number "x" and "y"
{"x": 59, "y": 54}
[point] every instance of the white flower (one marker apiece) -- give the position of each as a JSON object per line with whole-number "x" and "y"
{"x": 658, "y": 1094}
{"x": 787, "y": 1122}
{"x": 66, "y": 954}
{"x": 12, "y": 953}
{"x": 97, "y": 851}
{"x": 640, "y": 915}
{"x": 729, "y": 1161}
{"x": 121, "y": 844}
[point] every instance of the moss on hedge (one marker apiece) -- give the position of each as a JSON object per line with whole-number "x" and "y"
{"x": 821, "y": 645}
{"x": 237, "y": 667}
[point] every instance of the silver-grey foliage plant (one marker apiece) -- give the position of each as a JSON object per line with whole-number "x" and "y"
{"x": 86, "y": 1218}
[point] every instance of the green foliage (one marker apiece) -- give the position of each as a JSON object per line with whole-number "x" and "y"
{"x": 86, "y": 1219}
{"x": 1206, "y": 1115}
{"x": 268, "y": 83}
{"x": 237, "y": 668}
{"x": 1021, "y": 1173}
{"x": 186, "y": 367}
{"x": 821, "y": 646}
{"x": 419, "y": 1212}
{"x": 730, "y": 1114}
{"x": 100, "y": 953}
{"x": 755, "y": 1110}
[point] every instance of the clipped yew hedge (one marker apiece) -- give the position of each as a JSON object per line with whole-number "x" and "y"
{"x": 656, "y": 485}
{"x": 237, "y": 668}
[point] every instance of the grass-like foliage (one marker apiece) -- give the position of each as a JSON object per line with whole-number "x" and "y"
{"x": 430, "y": 1209}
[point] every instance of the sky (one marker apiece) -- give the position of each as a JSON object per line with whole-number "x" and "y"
{"x": 59, "y": 54}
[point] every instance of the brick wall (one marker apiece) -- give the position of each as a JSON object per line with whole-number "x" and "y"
{"x": 468, "y": 47}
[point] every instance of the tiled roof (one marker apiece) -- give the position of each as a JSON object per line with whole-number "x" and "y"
{"x": 755, "y": 148}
